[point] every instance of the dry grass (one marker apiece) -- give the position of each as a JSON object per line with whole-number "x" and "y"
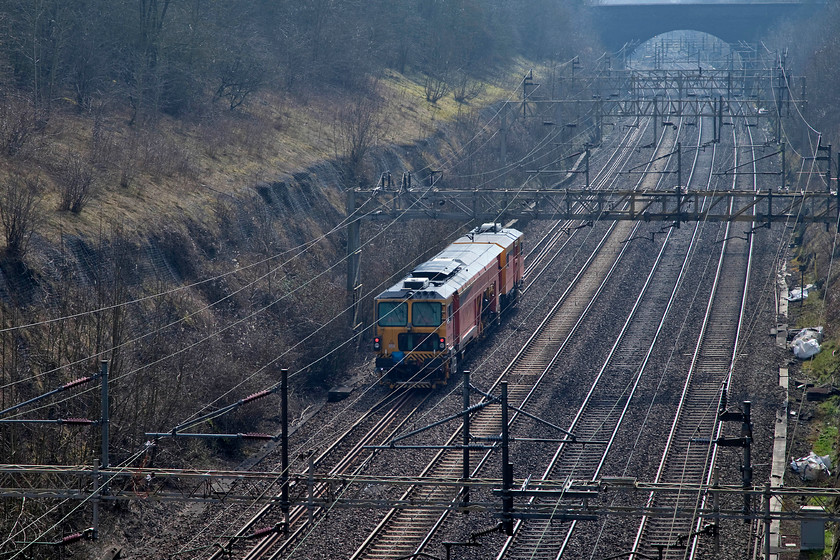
{"x": 178, "y": 168}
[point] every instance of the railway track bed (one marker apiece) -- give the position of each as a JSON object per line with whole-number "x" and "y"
{"x": 333, "y": 535}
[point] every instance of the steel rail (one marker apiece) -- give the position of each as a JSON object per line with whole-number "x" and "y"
{"x": 696, "y": 413}
{"x": 735, "y": 351}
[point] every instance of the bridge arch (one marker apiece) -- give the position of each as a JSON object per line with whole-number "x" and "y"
{"x": 732, "y": 22}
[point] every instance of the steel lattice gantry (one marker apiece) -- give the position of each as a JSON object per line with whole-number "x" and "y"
{"x": 681, "y": 83}
{"x": 645, "y": 107}
{"x": 79, "y": 482}
{"x": 759, "y": 207}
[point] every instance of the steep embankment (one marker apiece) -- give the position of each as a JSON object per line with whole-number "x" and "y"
{"x": 206, "y": 256}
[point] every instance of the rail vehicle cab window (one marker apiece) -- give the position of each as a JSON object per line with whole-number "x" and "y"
{"x": 422, "y": 342}
{"x": 426, "y": 313}
{"x": 392, "y": 313}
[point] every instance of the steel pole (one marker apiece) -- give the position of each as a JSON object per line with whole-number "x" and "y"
{"x": 284, "y": 445}
{"x": 507, "y": 471}
{"x": 466, "y": 437}
{"x": 105, "y": 419}
{"x": 747, "y": 474}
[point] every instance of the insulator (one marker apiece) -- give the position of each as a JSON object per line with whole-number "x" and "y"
{"x": 256, "y": 396}
{"x": 81, "y": 421}
{"x": 76, "y": 382}
{"x": 69, "y": 539}
{"x": 262, "y": 532}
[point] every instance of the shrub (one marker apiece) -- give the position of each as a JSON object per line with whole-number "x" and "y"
{"x": 75, "y": 183}
{"x": 20, "y": 213}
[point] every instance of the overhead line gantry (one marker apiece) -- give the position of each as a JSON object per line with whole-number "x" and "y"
{"x": 677, "y": 205}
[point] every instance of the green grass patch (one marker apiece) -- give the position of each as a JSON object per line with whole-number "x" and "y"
{"x": 828, "y": 415}
{"x": 826, "y": 441}
{"x": 824, "y": 366}
{"x": 829, "y": 408}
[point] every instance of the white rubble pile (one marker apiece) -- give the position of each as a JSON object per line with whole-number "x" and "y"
{"x": 811, "y": 467}
{"x": 806, "y": 343}
{"x": 797, "y": 294}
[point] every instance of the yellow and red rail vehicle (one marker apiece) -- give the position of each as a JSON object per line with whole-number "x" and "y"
{"x": 426, "y": 320}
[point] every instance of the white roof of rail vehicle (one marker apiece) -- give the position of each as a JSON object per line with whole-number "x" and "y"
{"x": 450, "y": 270}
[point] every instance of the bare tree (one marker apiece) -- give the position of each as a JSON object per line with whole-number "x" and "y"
{"x": 466, "y": 88}
{"x": 20, "y": 213}
{"x": 239, "y": 77}
{"x": 358, "y": 128}
{"x": 17, "y": 124}
{"x": 435, "y": 87}
{"x": 75, "y": 183}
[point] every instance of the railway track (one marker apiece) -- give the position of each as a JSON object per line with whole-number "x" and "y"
{"x": 404, "y": 532}
{"x": 689, "y": 454}
{"x": 604, "y": 408}
{"x": 346, "y": 455}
